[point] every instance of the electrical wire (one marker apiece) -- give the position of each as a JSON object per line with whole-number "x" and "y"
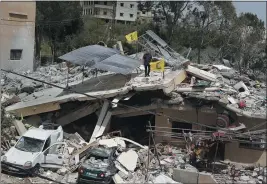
{"x": 117, "y": 103}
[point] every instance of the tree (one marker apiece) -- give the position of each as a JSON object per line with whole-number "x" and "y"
{"x": 170, "y": 12}
{"x": 145, "y": 6}
{"x": 251, "y": 30}
{"x": 56, "y": 20}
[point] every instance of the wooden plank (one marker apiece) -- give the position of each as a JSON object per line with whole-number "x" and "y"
{"x": 77, "y": 114}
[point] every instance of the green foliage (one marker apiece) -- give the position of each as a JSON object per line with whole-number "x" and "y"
{"x": 56, "y": 20}
{"x": 199, "y": 24}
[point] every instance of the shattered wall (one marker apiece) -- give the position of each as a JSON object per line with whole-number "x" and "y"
{"x": 208, "y": 117}
{"x": 17, "y": 32}
{"x": 236, "y": 154}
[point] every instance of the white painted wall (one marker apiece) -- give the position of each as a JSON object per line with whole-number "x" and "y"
{"x": 126, "y": 9}
{"x": 16, "y": 34}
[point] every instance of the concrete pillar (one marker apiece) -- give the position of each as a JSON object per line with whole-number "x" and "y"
{"x": 162, "y": 121}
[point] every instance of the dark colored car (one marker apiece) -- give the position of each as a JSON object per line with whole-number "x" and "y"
{"x": 98, "y": 166}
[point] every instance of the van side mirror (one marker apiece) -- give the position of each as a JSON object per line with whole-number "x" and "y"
{"x": 46, "y": 152}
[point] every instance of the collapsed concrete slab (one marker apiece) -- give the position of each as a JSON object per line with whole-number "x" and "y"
{"x": 42, "y": 105}
{"x": 194, "y": 177}
{"x": 201, "y": 73}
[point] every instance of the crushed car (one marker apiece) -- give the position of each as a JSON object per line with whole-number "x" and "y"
{"x": 36, "y": 148}
{"x": 98, "y": 166}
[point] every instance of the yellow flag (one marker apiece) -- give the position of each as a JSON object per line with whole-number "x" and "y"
{"x": 132, "y": 37}
{"x": 157, "y": 66}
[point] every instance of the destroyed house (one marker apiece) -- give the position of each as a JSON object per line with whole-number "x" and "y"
{"x": 195, "y": 102}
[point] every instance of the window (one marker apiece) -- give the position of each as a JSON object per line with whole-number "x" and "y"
{"x": 131, "y": 15}
{"x": 143, "y": 13}
{"x": 121, "y": 14}
{"x": 246, "y": 144}
{"x": 138, "y": 13}
{"x": 29, "y": 144}
{"x": 47, "y": 144}
{"x": 18, "y": 15}
{"x": 96, "y": 11}
{"x": 96, "y": 2}
{"x": 105, "y": 2}
{"x": 131, "y": 5}
{"x": 122, "y": 4}
{"x": 104, "y": 13}
{"x": 178, "y": 127}
{"x": 15, "y": 54}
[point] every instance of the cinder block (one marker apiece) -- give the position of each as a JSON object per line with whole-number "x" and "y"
{"x": 204, "y": 178}
{"x": 185, "y": 176}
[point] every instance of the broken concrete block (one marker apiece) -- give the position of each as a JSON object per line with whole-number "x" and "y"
{"x": 72, "y": 178}
{"x": 244, "y": 178}
{"x": 254, "y": 174}
{"x": 232, "y": 100}
{"x": 206, "y": 178}
{"x": 229, "y": 74}
{"x": 222, "y": 68}
{"x": 122, "y": 175}
{"x": 128, "y": 159}
{"x": 119, "y": 167}
{"x": 260, "y": 178}
{"x": 185, "y": 176}
{"x": 241, "y": 87}
{"x": 201, "y": 73}
{"x": 70, "y": 150}
{"x": 62, "y": 171}
{"x": 112, "y": 142}
{"x": 117, "y": 179}
{"x": 19, "y": 127}
{"x": 163, "y": 179}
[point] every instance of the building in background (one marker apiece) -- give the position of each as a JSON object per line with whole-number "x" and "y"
{"x": 17, "y": 29}
{"x": 125, "y": 11}
{"x": 144, "y": 17}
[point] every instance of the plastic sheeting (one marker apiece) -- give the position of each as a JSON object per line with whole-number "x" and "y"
{"x": 102, "y": 58}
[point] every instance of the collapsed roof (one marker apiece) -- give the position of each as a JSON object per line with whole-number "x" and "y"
{"x": 102, "y": 58}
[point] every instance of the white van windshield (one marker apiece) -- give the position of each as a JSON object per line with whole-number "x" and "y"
{"x": 29, "y": 144}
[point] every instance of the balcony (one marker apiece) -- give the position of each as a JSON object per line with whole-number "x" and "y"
{"x": 110, "y": 7}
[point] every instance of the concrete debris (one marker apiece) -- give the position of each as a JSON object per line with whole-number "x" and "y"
{"x": 20, "y": 127}
{"x": 201, "y": 73}
{"x": 112, "y": 142}
{"x": 163, "y": 179}
{"x": 128, "y": 159}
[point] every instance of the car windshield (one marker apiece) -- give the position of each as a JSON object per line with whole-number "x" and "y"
{"x": 29, "y": 144}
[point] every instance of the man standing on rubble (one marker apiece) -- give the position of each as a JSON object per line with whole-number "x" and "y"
{"x": 147, "y": 59}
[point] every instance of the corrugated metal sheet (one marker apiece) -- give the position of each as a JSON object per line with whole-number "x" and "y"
{"x": 118, "y": 64}
{"x": 157, "y": 38}
{"x": 102, "y": 58}
{"x": 88, "y": 55}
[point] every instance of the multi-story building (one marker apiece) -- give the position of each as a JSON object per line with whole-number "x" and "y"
{"x": 144, "y": 17}
{"x": 124, "y": 11}
{"x": 17, "y": 33}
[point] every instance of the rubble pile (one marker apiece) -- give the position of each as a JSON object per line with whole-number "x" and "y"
{"x": 141, "y": 165}
{"x": 242, "y": 173}
{"x": 60, "y": 74}
{"x": 218, "y": 83}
